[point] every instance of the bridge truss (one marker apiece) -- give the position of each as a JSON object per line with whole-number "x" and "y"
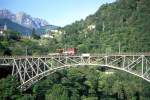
{"x": 30, "y": 69}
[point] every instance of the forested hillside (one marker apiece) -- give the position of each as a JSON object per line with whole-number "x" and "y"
{"x": 124, "y": 22}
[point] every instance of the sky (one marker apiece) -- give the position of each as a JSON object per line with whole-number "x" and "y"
{"x": 56, "y": 12}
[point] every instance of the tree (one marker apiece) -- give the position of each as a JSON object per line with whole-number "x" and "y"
{"x": 8, "y": 88}
{"x": 7, "y": 52}
{"x": 26, "y": 97}
{"x": 34, "y": 35}
{"x": 58, "y": 92}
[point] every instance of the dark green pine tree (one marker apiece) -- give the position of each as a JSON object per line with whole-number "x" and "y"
{"x": 34, "y": 35}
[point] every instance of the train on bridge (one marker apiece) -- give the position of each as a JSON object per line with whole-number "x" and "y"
{"x": 67, "y": 51}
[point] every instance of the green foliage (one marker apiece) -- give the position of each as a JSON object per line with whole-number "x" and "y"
{"x": 124, "y": 21}
{"x": 26, "y": 97}
{"x": 8, "y": 88}
{"x": 89, "y": 98}
{"x": 58, "y": 92}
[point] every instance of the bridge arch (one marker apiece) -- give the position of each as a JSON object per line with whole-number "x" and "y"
{"x": 51, "y": 71}
{"x": 30, "y": 69}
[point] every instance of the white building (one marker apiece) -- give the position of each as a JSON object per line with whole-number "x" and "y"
{"x": 48, "y": 36}
{"x": 5, "y": 27}
{"x": 56, "y": 31}
{"x": 91, "y": 27}
{"x": 2, "y": 29}
{"x": 1, "y": 32}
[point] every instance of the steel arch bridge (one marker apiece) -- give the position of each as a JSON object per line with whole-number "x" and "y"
{"x": 30, "y": 69}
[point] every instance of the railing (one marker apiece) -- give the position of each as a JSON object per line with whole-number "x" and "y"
{"x": 91, "y": 54}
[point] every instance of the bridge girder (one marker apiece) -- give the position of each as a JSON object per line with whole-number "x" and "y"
{"x": 31, "y": 69}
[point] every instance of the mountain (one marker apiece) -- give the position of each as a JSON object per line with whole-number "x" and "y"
{"x": 14, "y": 26}
{"x": 122, "y": 24}
{"x": 23, "y": 19}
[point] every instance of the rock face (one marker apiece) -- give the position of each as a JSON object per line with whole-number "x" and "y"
{"x": 24, "y": 31}
{"x": 23, "y": 19}
{"x": 7, "y": 14}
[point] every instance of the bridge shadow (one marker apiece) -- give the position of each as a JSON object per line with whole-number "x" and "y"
{"x": 5, "y": 71}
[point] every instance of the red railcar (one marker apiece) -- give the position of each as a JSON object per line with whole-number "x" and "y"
{"x": 70, "y": 51}
{"x": 67, "y": 51}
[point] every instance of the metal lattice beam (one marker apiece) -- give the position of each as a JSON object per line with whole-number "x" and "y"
{"x": 31, "y": 69}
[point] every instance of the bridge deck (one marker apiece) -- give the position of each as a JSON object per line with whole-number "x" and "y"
{"x": 77, "y": 55}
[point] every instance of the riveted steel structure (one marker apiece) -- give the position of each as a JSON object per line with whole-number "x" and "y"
{"x": 30, "y": 69}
